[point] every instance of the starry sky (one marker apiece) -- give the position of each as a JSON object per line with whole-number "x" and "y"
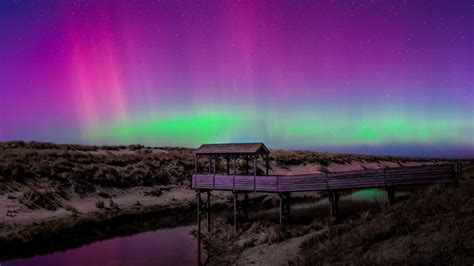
{"x": 378, "y": 77}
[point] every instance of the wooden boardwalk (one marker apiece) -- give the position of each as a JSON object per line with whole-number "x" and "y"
{"x": 377, "y": 178}
{"x": 240, "y": 185}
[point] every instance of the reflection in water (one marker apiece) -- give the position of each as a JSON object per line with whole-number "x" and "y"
{"x": 174, "y": 246}
{"x": 369, "y": 195}
{"x": 308, "y": 211}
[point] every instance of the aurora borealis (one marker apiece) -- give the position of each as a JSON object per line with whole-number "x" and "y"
{"x": 380, "y": 77}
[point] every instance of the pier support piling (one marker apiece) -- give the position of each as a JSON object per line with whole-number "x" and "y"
{"x": 240, "y": 208}
{"x": 333, "y": 204}
{"x": 236, "y": 201}
{"x": 390, "y": 195}
{"x": 202, "y": 207}
{"x": 285, "y": 207}
{"x": 208, "y": 208}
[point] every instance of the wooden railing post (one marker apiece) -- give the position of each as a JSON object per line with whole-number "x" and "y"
{"x": 327, "y": 181}
{"x": 196, "y": 158}
{"x": 278, "y": 183}
{"x": 255, "y": 173}
{"x": 235, "y": 169}
{"x": 214, "y": 177}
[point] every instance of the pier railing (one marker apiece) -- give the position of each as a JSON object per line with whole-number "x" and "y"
{"x": 387, "y": 177}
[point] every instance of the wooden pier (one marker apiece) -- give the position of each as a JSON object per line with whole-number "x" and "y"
{"x": 243, "y": 183}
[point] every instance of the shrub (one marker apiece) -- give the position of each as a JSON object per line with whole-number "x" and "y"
{"x": 113, "y": 205}
{"x": 45, "y": 199}
{"x": 100, "y": 204}
{"x": 70, "y": 208}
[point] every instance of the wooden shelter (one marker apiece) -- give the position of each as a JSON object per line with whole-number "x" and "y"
{"x": 231, "y": 151}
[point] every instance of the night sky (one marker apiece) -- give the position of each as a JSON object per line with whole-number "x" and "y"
{"x": 379, "y": 77}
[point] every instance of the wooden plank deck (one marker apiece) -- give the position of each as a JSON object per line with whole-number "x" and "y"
{"x": 388, "y": 177}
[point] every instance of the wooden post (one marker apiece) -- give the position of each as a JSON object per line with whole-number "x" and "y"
{"x": 246, "y": 165}
{"x": 235, "y": 210}
{"x": 195, "y": 170}
{"x": 195, "y": 164}
{"x": 458, "y": 173}
{"x": 235, "y": 170}
{"x": 391, "y": 195}
{"x": 208, "y": 203}
{"x": 281, "y": 210}
{"x": 210, "y": 164}
{"x": 332, "y": 205}
{"x": 214, "y": 173}
{"x": 285, "y": 207}
{"x": 459, "y": 170}
{"x": 198, "y": 199}
{"x": 266, "y": 164}
{"x": 255, "y": 173}
{"x": 228, "y": 168}
{"x": 245, "y": 206}
{"x": 215, "y": 164}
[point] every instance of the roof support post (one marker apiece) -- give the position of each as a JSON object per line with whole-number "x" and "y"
{"x": 228, "y": 168}
{"x": 246, "y": 165}
{"x": 210, "y": 164}
{"x": 266, "y": 164}
{"x": 196, "y": 158}
{"x": 195, "y": 164}
{"x": 215, "y": 164}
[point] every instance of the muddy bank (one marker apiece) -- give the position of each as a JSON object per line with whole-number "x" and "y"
{"x": 25, "y": 238}
{"x": 40, "y": 231}
{"x": 65, "y": 233}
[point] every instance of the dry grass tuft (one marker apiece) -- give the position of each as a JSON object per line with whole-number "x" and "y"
{"x": 40, "y": 199}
